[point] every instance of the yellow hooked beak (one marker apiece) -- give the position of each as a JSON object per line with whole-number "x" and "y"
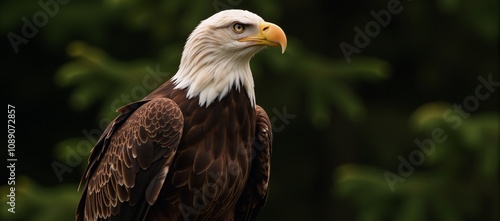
{"x": 269, "y": 34}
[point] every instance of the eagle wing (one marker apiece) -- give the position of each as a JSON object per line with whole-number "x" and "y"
{"x": 254, "y": 195}
{"x": 138, "y": 145}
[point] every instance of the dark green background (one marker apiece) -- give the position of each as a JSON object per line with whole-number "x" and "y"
{"x": 352, "y": 122}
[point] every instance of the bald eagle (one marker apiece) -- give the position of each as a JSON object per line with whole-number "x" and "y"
{"x": 196, "y": 148}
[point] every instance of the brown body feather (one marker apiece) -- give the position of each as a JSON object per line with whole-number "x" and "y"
{"x": 167, "y": 158}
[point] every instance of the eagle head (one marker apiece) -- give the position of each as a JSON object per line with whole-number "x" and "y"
{"x": 217, "y": 54}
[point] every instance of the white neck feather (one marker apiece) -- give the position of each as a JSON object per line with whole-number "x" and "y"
{"x": 210, "y": 73}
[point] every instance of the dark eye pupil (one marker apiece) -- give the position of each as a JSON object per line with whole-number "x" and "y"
{"x": 238, "y": 27}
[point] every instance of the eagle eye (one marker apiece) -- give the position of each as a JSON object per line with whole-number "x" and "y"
{"x": 238, "y": 28}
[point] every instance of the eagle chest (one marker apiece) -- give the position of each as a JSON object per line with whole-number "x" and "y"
{"x": 214, "y": 157}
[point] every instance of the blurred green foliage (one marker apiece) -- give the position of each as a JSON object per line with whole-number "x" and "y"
{"x": 451, "y": 184}
{"x": 353, "y": 119}
{"x": 34, "y": 202}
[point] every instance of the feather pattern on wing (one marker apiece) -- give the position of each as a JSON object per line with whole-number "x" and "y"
{"x": 138, "y": 146}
